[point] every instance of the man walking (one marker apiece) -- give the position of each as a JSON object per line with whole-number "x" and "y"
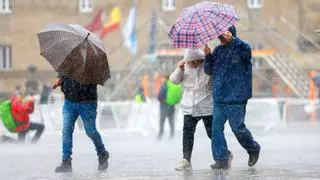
{"x": 80, "y": 99}
{"x": 231, "y": 69}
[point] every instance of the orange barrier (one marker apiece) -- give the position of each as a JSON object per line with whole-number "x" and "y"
{"x": 288, "y": 91}
{"x": 312, "y": 94}
{"x": 274, "y": 87}
{"x": 312, "y": 86}
{"x": 263, "y": 52}
{"x": 158, "y": 83}
{"x": 145, "y": 85}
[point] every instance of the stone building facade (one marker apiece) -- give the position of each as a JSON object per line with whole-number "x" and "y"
{"x": 20, "y": 20}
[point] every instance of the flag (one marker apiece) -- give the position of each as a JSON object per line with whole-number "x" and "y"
{"x": 113, "y": 24}
{"x": 96, "y": 23}
{"x": 129, "y": 32}
{"x": 152, "y": 39}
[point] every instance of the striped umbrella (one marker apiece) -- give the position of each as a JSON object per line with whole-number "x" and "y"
{"x": 74, "y": 51}
{"x": 201, "y": 23}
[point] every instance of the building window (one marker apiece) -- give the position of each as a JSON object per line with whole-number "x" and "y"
{"x": 168, "y": 5}
{"x": 5, "y": 6}
{"x": 5, "y": 57}
{"x": 255, "y": 4}
{"x": 85, "y": 6}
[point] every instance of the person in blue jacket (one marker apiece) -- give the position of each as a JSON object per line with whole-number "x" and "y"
{"x": 231, "y": 69}
{"x": 166, "y": 110}
{"x": 317, "y": 82}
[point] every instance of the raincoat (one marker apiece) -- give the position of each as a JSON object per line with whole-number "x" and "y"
{"x": 20, "y": 113}
{"x": 231, "y": 69}
{"x": 197, "y": 98}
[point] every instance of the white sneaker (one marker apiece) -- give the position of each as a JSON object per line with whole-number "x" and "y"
{"x": 183, "y": 165}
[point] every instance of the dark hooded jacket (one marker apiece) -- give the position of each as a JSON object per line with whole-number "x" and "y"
{"x": 231, "y": 68}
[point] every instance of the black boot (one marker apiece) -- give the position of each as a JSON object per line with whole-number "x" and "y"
{"x": 253, "y": 158}
{"x": 230, "y": 158}
{"x": 223, "y": 165}
{"x": 220, "y": 165}
{"x": 64, "y": 167}
{"x": 103, "y": 161}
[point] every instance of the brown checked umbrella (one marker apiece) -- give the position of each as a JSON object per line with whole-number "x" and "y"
{"x": 75, "y": 52}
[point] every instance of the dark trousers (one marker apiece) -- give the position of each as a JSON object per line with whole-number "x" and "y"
{"x": 166, "y": 112}
{"x": 189, "y": 128}
{"x": 39, "y": 128}
{"x": 235, "y": 114}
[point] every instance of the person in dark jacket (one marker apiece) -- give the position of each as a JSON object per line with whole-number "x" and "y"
{"x": 18, "y": 91}
{"x": 317, "y": 83}
{"x": 166, "y": 110}
{"x": 45, "y": 93}
{"x": 231, "y": 69}
{"x": 80, "y": 100}
{"x": 44, "y": 99}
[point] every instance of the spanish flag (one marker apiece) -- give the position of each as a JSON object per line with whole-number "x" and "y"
{"x": 97, "y": 21}
{"x": 113, "y": 23}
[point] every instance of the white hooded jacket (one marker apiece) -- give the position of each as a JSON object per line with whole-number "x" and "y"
{"x": 197, "y": 96}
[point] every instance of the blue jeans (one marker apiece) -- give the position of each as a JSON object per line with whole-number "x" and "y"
{"x": 235, "y": 113}
{"x": 88, "y": 113}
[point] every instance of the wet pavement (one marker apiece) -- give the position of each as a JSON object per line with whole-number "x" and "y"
{"x": 291, "y": 152}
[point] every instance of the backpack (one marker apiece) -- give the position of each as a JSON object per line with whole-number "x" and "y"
{"x": 6, "y": 116}
{"x": 174, "y": 93}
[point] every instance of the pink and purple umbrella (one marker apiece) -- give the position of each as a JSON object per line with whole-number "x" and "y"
{"x": 201, "y": 23}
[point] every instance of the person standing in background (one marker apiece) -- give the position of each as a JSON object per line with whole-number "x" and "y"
{"x": 169, "y": 95}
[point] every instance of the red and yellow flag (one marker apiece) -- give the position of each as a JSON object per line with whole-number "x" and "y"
{"x": 97, "y": 21}
{"x": 113, "y": 24}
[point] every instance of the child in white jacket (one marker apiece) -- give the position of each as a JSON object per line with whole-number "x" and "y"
{"x": 196, "y": 103}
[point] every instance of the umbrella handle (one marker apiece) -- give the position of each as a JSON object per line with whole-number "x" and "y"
{"x": 87, "y": 36}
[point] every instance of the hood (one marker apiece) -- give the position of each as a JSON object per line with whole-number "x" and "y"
{"x": 233, "y": 30}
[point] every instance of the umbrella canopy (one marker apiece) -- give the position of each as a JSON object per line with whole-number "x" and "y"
{"x": 201, "y": 23}
{"x": 75, "y": 52}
